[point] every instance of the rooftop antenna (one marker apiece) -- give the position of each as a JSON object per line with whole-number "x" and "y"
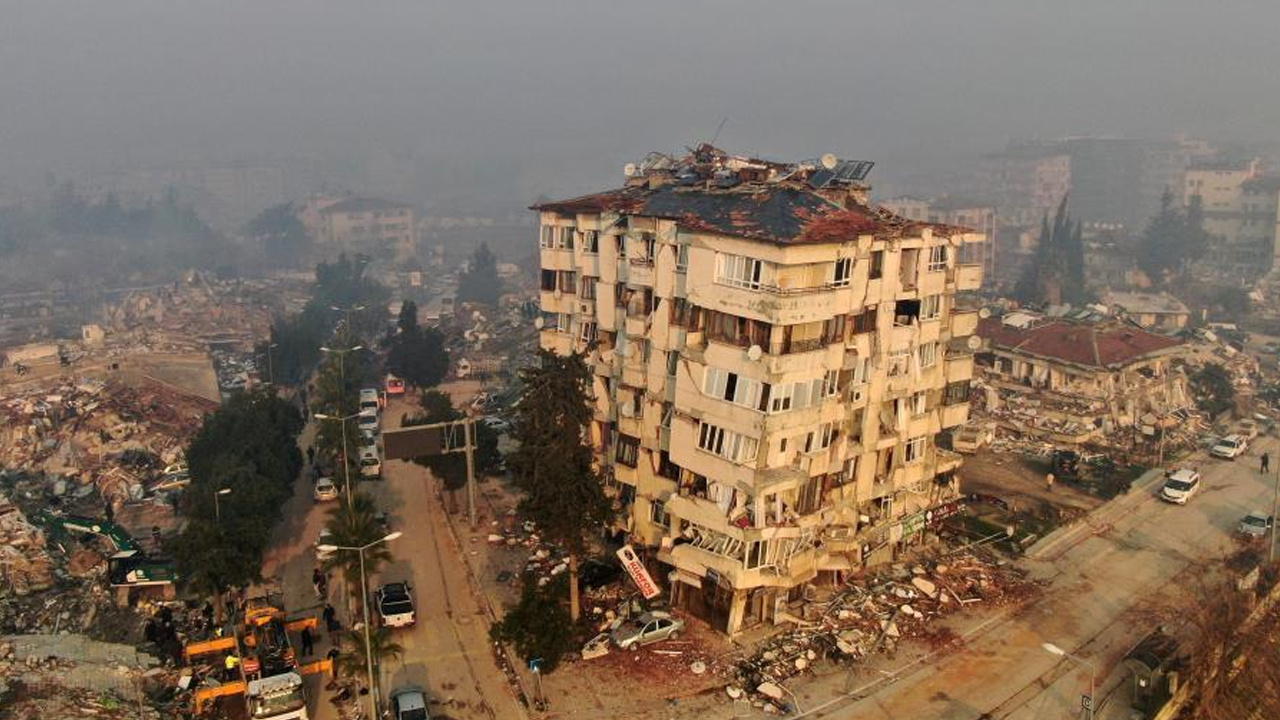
{"x": 719, "y": 127}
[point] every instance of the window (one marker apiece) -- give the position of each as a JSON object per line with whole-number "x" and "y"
{"x": 876, "y": 271}
{"x": 804, "y": 393}
{"x": 588, "y": 289}
{"x": 956, "y": 393}
{"x": 930, "y": 307}
{"x": 740, "y": 271}
{"x": 568, "y": 282}
{"x": 680, "y": 312}
{"x": 821, "y": 438}
{"x": 658, "y": 513}
{"x": 650, "y": 245}
{"x": 725, "y": 385}
{"x": 666, "y": 468}
{"x": 727, "y": 444}
{"x": 928, "y": 354}
{"x": 562, "y": 322}
{"x": 809, "y": 499}
{"x": 757, "y": 554}
{"x": 620, "y": 295}
{"x": 899, "y": 362}
{"x": 548, "y": 238}
{"x": 682, "y": 257}
{"x": 628, "y": 450}
{"x": 831, "y": 383}
{"x": 919, "y": 403}
{"x": 566, "y": 238}
{"x": 914, "y": 450}
{"x": 590, "y": 242}
{"x": 861, "y": 368}
{"x": 865, "y": 321}
{"x": 843, "y": 272}
{"x": 548, "y": 280}
{"x": 588, "y": 332}
{"x": 937, "y": 258}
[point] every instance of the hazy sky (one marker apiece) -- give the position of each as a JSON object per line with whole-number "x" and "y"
{"x": 543, "y": 97}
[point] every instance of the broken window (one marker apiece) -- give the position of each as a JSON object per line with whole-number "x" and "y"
{"x": 588, "y": 332}
{"x": 727, "y": 444}
{"x": 906, "y": 312}
{"x": 865, "y": 321}
{"x": 930, "y": 307}
{"x": 938, "y": 258}
{"x": 658, "y": 513}
{"x": 628, "y": 450}
{"x": 757, "y": 554}
{"x": 821, "y": 438}
{"x": 957, "y": 393}
{"x": 843, "y": 272}
{"x": 680, "y": 312}
{"x": 899, "y": 362}
{"x": 876, "y": 271}
{"x": 908, "y": 268}
{"x": 666, "y": 468}
{"x": 913, "y": 451}
{"x": 809, "y": 499}
{"x": 919, "y": 403}
{"x": 730, "y": 386}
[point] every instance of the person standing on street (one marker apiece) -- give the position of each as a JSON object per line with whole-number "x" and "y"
{"x": 1048, "y": 482}
{"x": 308, "y": 643}
{"x": 1266, "y": 463}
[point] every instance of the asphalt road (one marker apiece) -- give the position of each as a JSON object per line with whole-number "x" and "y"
{"x": 1114, "y": 577}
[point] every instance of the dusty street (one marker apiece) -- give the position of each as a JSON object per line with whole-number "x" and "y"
{"x": 1112, "y": 578}
{"x": 448, "y": 651}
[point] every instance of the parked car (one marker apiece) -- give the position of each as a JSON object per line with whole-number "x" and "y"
{"x": 1255, "y": 524}
{"x": 394, "y": 385}
{"x": 325, "y": 490}
{"x": 497, "y": 424}
{"x": 650, "y": 627}
{"x": 367, "y": 421}
{"x": 1230, "y": 447}
{"x": 370, "y": 462}
{"x": 409, "y": 703}
{"x": 1180, "y": 486}
{"x": 395, "y": 605}
{"x": 369, "y": 400}
{"x": 324, "y": 539}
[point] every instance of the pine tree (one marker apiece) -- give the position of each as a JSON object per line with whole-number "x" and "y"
{"x": 480, "y": 283}
{"x": 554, "y": 466}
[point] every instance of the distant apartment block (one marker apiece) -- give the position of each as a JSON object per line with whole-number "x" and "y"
{"x": 373, "y": 225}
{"x": 1024, "y": 182}
{"x": 1240, "y": 210}
{"x": 774, "y": 362}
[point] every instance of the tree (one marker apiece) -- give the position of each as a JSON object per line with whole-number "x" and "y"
{"x": 284, "y": 239}
{"x": 452, "y": 468}
{"x": 382, "y": 647}
{"x": 553, "y": 465}
{"x": 480, "y": 283}
{"x": 1213, "y": 389}
{"x": 1173, "y": 237}
{"x": 356, "y": 526}
{"x": 538, "y": 625}
{"x": 418, "y": 356}
{"x": 1057, "y": 273}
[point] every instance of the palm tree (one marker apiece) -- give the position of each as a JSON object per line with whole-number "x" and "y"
{"x": 356, "y": 526}
{"x": 352, "y": 663}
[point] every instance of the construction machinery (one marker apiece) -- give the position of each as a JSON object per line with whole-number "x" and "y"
{"x": 129, "y": 568}
{"x": 269, "y": 676}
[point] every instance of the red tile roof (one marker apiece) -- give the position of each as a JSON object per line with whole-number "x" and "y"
{"x": 1099, "y": 345}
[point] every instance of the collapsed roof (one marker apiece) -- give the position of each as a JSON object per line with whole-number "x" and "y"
{"x": 1105, "y": 345}
{"x": 710, "y": 191}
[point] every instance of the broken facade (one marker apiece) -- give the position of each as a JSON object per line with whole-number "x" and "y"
{"x": 1074, "y": 382}
{"x": 773, "y": 358}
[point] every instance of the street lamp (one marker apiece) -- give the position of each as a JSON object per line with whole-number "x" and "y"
{"x": 217, "y": 507}
{"x": 364, "y": 603}
{"x": 1055, "y": 650}
{"x": 346, "y": 462}
{"x": 342, "y": 367}
{"x": 271, "y": 367}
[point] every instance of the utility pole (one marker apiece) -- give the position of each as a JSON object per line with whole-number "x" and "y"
{"x": 1275, "y": 507}
{"x": 471, "y": 470}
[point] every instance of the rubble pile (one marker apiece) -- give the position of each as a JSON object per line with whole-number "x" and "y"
{"x": 45, "y": 676}
{"x": 77, "y": 432}
{"x": 876, "y": 611}
{"x": 201, "y": 308}
{"x": 25, "y": 566}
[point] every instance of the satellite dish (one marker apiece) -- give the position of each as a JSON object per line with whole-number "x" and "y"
{"x": 829, "y": 161}
{"x": 629, "y": 169}
{"x": 538, "y": 322}
{"x": 984, "y": 313}
{"x": 974, "y": 342}
{"x": 754, "y": 352}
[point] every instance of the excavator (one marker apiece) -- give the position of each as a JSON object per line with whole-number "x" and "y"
{"x": 270, "y": 676}
{"x": 129, "y": 568}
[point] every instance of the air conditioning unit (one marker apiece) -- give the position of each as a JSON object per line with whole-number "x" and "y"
{"x": 857, "y": 393}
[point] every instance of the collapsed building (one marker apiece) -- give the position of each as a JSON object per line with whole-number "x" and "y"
{"x": 1070, "y": 381}
{"x": 773, "y": 358}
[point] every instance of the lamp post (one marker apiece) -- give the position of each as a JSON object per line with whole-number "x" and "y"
{"x": 342, "y": 366}
{"x": 346, "y": 313}
{"x": 346, "y": 463}
{"x": 1055, "y": 650}
{"x": 271, "y": 366}
{"x": 364, "y": 603}
{"x": 217, "y": 506}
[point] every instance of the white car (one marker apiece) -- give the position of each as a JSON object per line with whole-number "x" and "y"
{"x": 367, "y": 421}
{"x": 395, "y": 605}
{"x": 1180, "y": 486}
{"x": 325, "y": 490}
{"x": 1230, "y": 447}
{"x": 370, "y": 462}
{"x": 369, "y": 400}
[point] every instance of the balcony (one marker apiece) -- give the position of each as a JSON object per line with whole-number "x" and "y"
{"x": 964, "y": 323}
{"x": 778, "y": 306}
{"x": 968, "y": 277}
{"x": 557, "y": 259}
{"x": 955, "y": 415}
{"x": 959, "y": 368}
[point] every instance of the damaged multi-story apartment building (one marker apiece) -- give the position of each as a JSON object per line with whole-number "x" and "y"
{"x": 773, "y": 360}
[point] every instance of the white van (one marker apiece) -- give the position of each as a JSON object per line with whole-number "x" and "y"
{"x": 369, "y": 400}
